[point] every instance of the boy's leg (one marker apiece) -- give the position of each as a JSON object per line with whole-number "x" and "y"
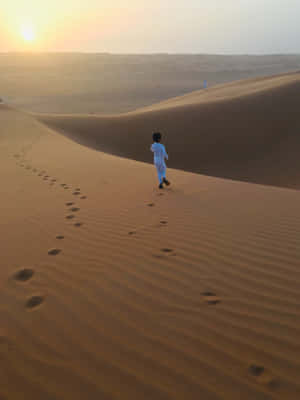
{"x": 159, "y": 174}
{"x": 164, "y": 177}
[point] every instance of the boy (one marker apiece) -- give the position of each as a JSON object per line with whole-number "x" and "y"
{"x": 160, "y": 155}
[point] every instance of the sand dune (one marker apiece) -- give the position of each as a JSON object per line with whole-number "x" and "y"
{"x": 247, "y": 131}
{"x": 111, "y": 83}
{"x": 190, "y": 293}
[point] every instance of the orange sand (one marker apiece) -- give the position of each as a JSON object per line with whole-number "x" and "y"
{"x": 188, "y": 293}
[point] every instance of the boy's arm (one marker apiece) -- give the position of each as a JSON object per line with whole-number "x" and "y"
{"x": 166, "y": 154}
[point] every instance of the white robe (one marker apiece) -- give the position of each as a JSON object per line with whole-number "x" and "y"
{"x": 160, "y": 155}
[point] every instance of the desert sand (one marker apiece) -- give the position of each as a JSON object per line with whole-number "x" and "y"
{"x": 112, "y": 289}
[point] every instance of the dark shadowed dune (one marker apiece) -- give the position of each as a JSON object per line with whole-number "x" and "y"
{"x": 247, "y": 130}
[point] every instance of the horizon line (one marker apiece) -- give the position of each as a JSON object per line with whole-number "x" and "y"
{"x": 31, "y": 52}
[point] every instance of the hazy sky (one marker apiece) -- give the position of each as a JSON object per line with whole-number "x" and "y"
{"x": 143, "y": 26}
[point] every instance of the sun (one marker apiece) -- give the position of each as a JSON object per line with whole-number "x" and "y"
{"x": 28, "y": 33}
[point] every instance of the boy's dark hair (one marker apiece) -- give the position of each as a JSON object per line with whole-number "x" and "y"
{"x": 156, "y": 137}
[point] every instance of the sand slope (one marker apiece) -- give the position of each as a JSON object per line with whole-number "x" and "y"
{"x": 192, "y": 293}
{"x": 247, "y": 130}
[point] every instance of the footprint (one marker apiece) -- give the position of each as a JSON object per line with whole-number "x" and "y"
{"x": 211, "y": 298}
{"x": 24, "y": 275}
{"x": 164, "y": 222}
{"x": 77, "y": 189}
{"x": 74, "y": 209}
{"x": 166, "y": 250}
{"x": 69, "y": 204}
{"x": 132, "y": 233}
{"x": 71, "y": 216}
{"x": 54, "y": 252}
{"x": 63, "y": 184}
{"x": 53, "y": 180}
{"x": 34, "y": 301}
{"x": 263, "y": 376}
{"x": 151, "y": 205}
{"x": 256, "y": 370}
{"x": 60, "y": 237}
{"x": 76, "y": 193}
{"x": 83, "y": 197}
{"x": 78, "y": 224}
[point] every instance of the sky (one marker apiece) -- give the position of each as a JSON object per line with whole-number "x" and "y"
{"x": 156, "y": 26}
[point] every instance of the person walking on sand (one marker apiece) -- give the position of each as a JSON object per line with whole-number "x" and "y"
{"x": 160, "y": 155}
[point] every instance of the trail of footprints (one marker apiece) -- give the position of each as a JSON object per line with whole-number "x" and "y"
{"x": 207, "y": 297}
{"x": 24, "y": 275}
{"x": 256, "y": 371}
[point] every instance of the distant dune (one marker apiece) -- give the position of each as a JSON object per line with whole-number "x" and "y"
{"x": 246, "y": 130}
{"x": 112, "y": 83}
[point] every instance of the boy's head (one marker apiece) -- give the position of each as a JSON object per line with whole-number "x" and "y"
{"x": 156, "y": 137}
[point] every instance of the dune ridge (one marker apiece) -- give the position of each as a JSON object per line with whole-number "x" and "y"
{"x": 246, "y": 131}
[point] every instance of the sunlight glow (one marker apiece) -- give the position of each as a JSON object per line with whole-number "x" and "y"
{"x": 28, "y": 33}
